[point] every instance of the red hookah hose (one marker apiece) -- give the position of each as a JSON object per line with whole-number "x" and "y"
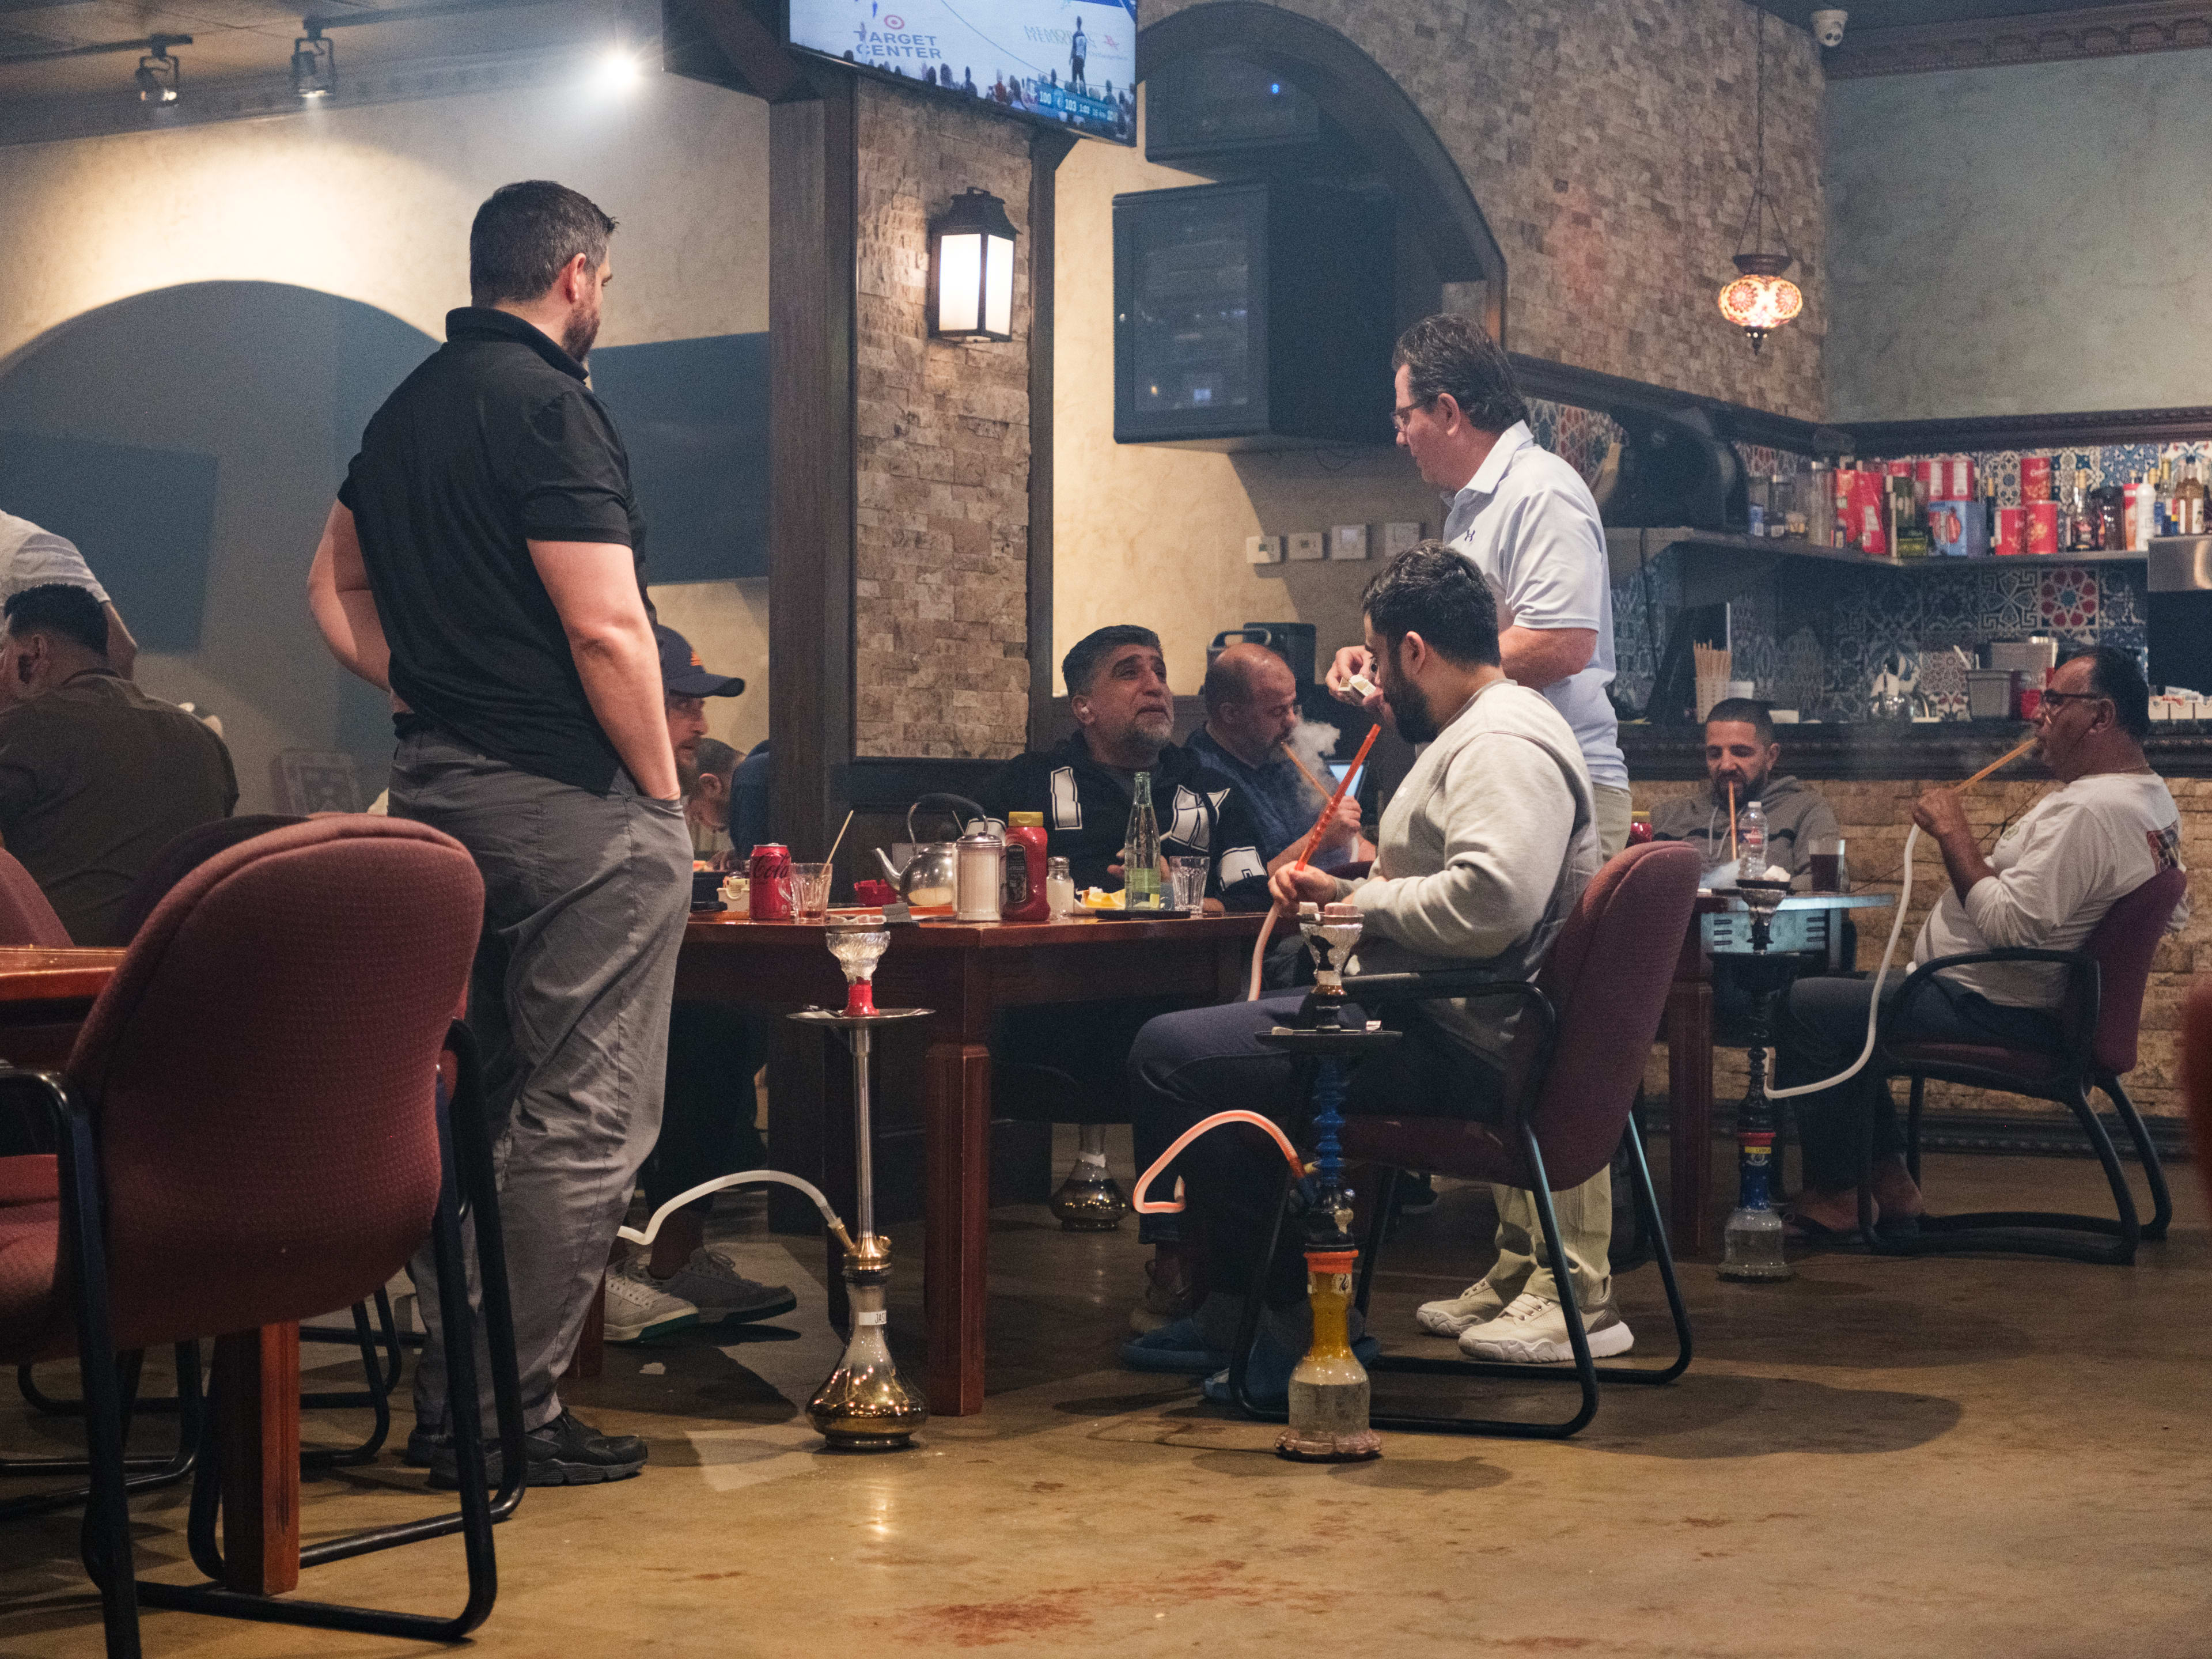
{"x": 1173, "y": 1207}
{"x": 1267, "y": 928}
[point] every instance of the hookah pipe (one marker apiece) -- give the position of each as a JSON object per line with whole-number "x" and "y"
{"x": 1305, "y": 854}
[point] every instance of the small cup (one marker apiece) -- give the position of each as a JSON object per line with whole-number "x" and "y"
{"x": 810, "y": 890}
{"x": 1825, "y": 863}
{"x": 1187, "y": 874}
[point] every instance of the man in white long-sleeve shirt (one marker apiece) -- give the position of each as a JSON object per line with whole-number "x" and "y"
{"x": 1485, "y": 848}
{"x": 2108, "y": 829}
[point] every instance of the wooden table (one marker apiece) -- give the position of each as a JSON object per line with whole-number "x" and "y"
{"x": 967, "y": 972}
{"x": 1693, "y": 1226}
{"x": 45, "y": 995}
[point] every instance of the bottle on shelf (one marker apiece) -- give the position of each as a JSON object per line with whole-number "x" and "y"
{"x": 1140, "y": 850}
{"x": 2081, "y": 515}
{"x": 2189, "y": 502}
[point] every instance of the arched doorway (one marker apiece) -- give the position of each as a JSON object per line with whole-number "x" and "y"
{"x": 190, "y": 440}
{"x": 1359, "y": 96}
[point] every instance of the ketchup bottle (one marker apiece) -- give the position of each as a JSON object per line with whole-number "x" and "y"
{"x": 1025, "y": 897}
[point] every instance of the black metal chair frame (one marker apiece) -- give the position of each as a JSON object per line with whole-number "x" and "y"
{"x": 2026, "y": 1232}
{"x": 467, "y": 1184}
{"x": 1372, "y": 991}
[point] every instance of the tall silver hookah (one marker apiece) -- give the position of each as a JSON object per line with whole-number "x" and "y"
{"x": 864, "y": 1405}
{"x": 1752, "y": 1242}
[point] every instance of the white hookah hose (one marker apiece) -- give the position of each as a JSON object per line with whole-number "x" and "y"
{"x": 1173, "y": 1207}
{"x": 743, "y": 1178}
{"x": 1874, "y": 1002}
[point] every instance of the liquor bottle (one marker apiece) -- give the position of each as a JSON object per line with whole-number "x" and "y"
{"x": 1140, "y": 852}
{"x": 2081, "y": 515}
{"x": 2189, "y": 503}
{"x": 2163, "y": 496}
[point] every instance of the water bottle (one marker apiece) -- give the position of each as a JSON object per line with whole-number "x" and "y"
{"x": 1751, "y": 842}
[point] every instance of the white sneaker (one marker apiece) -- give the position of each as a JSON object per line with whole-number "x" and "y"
{"x": 1533, "y": 1331}
{"x": 1478, "y": 1304}
{"x": 638, "y": 1310}
{"x": 712, "y": 1284}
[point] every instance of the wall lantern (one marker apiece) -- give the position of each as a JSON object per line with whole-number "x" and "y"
{"x": 1761, "y": 299}
{"x": 971, "y": 270}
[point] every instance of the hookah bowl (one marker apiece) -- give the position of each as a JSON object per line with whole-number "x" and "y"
{"x": 864, "y": 1405}
{"x": 1752, "y": 1243}
{"x": 1090, "y": 1200}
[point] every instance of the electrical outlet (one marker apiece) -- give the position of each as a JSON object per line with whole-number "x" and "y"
{"x": 1348, "y": 541}
{"x": 1263, "y": 549}
{"x": 1400, "y": 538}
{"x": 1306, "y": 544}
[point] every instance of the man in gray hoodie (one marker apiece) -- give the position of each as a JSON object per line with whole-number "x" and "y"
{"x": 1742, "y": 754}
{"x": 1485, "y": 848}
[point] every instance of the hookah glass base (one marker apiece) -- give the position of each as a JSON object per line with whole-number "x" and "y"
{"x": 1328, "y": 1401}
{"x": 1090, "y": 1200}
{"x": 864, "y": 1405}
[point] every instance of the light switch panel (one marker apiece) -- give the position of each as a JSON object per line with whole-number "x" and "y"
{"x": 1263, "y": 549}
{"x": 1400, "y": 538}
{"x": 1305, "y": 544}
{"x": 1348, "y": 541}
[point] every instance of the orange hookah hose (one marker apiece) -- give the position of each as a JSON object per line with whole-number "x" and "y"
{"x": 1267, "y": 929}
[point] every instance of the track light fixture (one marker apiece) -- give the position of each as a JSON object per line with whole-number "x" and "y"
{"x": 158, "y": 73}
{"x": 315, "y": 65}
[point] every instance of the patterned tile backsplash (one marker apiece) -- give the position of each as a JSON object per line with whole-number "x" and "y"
{"x": 1813, "y": 636}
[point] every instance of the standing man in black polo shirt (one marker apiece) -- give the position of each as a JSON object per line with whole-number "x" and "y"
{"x": 483, "y": 564}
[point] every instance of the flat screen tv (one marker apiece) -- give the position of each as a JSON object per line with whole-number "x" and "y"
{"x": 1067, "y": 63}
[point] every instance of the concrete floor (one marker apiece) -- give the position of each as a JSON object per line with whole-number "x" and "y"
{"x": 1956, "y": 1457}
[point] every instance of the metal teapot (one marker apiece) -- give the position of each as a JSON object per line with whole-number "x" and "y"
{"x": 930, "y": 874}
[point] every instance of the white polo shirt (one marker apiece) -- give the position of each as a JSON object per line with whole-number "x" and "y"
{"x": 1528, "y": 523}
{"x": 32, "y": 557}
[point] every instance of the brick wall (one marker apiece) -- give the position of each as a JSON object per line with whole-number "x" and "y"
{"x": 1609, "y": 145}
{"x": 941, "y": 542}
{"x": 1874, "y": 817}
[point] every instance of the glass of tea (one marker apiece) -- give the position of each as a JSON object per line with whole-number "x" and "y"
{"x": 1826, "y": 864}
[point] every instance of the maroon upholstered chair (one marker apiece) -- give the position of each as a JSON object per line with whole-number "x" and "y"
{"x": 1588, "y": 1022}
{"x": 2100, "y": 1019}
{"x": 180, "y": 857}
{"x": 250, "y": 1134}
{"x": 26, "y": 918}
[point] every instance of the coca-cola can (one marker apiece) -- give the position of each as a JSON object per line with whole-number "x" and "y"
{"x": 2034, "y": 478}
{"x": 769, "y": 895}
{"x": 2011, "y": 529}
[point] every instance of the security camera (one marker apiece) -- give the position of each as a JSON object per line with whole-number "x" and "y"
{"x": 1828, "y": 27}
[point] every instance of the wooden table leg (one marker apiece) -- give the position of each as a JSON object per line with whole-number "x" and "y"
{"x": 257, "y": 1380}
{"x": 1690, "y": 1113}
{"x": 958, "y": 1110}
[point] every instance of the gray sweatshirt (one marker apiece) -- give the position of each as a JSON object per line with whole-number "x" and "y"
{"x": 1484, "y": 848}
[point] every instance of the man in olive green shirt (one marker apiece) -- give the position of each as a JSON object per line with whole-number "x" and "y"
{"x": 95, "y": 776}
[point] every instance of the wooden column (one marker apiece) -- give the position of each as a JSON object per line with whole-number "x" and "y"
{"x": 1047, "y": 151}
{"x": 257, "y": 1399}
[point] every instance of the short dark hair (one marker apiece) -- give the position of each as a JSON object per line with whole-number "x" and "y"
{"x": 2115, "y": 674}
{"x": 1452, "y": 354}
{"x": 1432, "y": 591}
{"x": 716, "y": 757}
{"x": 523, "y": 236}
{"x": 1081, "y": 663}
{"x": 1749, "y": 712}
{"x": 58, "y": 608}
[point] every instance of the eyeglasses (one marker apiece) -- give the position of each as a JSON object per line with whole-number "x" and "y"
{"x": 1404, "y": 412}
{"x": 2054, "y": 701}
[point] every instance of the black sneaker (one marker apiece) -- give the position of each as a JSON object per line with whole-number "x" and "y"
{"x": 422, "y": 1447}
{"x": 566, "y": 1452}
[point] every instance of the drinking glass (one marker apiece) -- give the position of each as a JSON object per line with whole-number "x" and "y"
{"x": 810, "y": 890}
{"x": 1825, "y": 863}
{"x": 1188, "y": 875}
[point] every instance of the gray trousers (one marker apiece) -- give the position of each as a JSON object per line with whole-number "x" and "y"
{"x": 584, "y": 897}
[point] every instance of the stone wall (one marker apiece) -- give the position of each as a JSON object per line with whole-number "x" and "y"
{"x": 1609, "y": 145}
{"x": 941, "y": 545}
{"x": 1874, "y": 817}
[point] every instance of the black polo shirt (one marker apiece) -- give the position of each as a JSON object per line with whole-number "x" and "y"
{"x": 492, "y": 443}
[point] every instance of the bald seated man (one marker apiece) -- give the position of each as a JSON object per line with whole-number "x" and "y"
{"x": 1251, "y": 708}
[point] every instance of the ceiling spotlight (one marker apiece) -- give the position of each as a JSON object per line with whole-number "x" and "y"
{"x": 314, "y": 65}
{"x": 157, "y": 75}
{"x": 620, "y": 69}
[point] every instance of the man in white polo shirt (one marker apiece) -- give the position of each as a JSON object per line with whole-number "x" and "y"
{"x": 1526, "y": 520}
{"x": 32, "y": 556}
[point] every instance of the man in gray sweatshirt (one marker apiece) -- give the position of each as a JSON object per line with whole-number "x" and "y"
{"x": 1485, "y": 848}
{"x": 1741, "y": 755}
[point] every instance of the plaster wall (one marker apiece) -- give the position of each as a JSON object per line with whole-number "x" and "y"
{"x": 373, "y": 203}
{"x": 2020, "y": 240}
